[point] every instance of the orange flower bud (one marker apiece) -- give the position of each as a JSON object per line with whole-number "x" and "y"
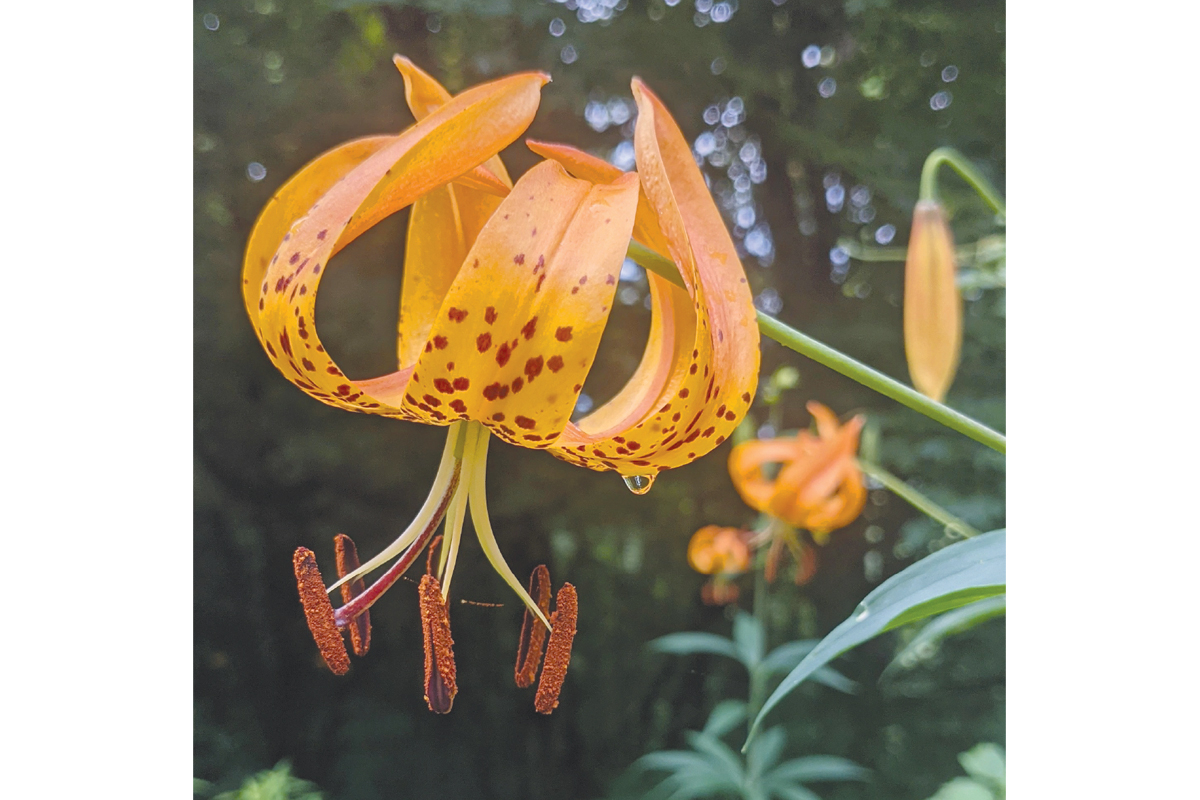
{"x": 932, "y": 306}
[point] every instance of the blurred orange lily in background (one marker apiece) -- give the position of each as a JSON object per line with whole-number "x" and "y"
{"x": 932, "y": 305}
{"x": 819, "y": 485}
{"x": 504, "y": 300}
{"x": 723, "y": 553}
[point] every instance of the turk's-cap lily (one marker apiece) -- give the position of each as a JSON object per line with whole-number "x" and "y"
{"x": 932, "y": 305}
{"x": 506, "y": 293}
{"x": 819, "y": 485}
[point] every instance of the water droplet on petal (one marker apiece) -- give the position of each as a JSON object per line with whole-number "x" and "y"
{"x": 639, "y": 484}
{"x": 863, "y": 611}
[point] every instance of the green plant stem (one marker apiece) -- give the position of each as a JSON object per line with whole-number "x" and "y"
{"x": 959, "y": 163}
{"x": 840, "y": 362}
{"x": 917, "y": 500}
{"x": 758, "y": 680}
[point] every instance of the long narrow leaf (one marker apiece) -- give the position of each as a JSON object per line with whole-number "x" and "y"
{"x": 952, "y": 577}
{"x": 811, "y": 769}
{"x": 692, "y": 642}
{"x": 948, "y": 624}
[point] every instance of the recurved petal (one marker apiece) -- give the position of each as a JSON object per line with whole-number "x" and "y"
{"x": 672, "y": 317}
{"x": 442, "y": 226}
{"x": 746, "y": 462}
{"x": 520, "y": 326}
{"x": 460, "y": 135}
{"x": 710, "y": 383}
{"x": 932, "y": 306}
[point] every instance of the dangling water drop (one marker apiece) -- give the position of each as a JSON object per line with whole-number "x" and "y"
{"x": 639, "y": 484}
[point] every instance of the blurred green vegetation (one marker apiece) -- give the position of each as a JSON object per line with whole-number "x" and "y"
{"x": 277, "y": 82}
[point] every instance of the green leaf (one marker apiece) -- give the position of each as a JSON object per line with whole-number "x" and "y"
{"x": 720, "y": 755}
{"x": 963, "y": 789}
{"x": 690, "y": 642}
{"x": 765, "y": 751}
{"x": 948, "y": 624}
{"x": 954, "y": 576}
{"x": 750, "y": 639}
{"x": 725, "y": 716}
{"x": 810, "y": 769}
{"x": 985, "y": 763}
{"x": 785, "y": 658}
{"x": 794, "y": 792}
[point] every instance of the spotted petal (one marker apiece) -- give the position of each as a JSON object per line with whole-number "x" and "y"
{"x": 442, "y": 226}
{"x": 449, "y": 143}
{"x": 518, "y": 331}
{"x": 709, "y": 381}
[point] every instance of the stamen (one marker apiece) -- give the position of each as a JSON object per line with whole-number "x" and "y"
{"x": 433, "y": 546}
{"x": 477, "y": 486}
{"x": 533, "y": 632}
{"x": 431, "y": 513}
{"x": 347, "y": 613}
{"x": 558, "y": 650}
{"x": 347, "y": 561}
{"x": 455, "y": 515}
{"x": 319, "y": 612}
{"x": 440, "y": 685}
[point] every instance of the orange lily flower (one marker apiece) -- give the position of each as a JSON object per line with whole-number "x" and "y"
{"x": 819, "y": 485}
{"x": 932, "y": 306}
{"x": 722, "y": 553}
{"x": 503, "y": 304}
{"x": 714, "y": 550}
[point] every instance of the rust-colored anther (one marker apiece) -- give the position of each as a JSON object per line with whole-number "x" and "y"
{"x": 347, "y": 562}
{"x": 533, "y": 632}
{"x": 440, "y": 686}
{"x": 558, "y": 650}
{"x": 319, "y": 611}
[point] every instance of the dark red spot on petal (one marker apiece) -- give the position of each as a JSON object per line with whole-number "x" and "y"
{"x": 524, "y": 422}
{"x": 457, "y": 315}
{"x": 443, "y": 386}
{"x": 461, "y": 384}
{"x": 489, "y": 315}
{"x": 483, "y": 342}
{"x": 440, "y": 342}
{"x": 503, "y": 354}
{"x": 555, "y": 363}
{"x": 529, "y": 328}
{"x": 518, "y": 384}
{"x": 519, "y": 258}
{"x": 563, "y": 334}
{"x": 533, "y": 367}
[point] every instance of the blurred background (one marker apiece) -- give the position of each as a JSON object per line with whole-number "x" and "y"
{"x": 812, "y": 119}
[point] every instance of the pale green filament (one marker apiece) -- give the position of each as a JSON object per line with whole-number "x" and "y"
{"x": 483, "y": 526}
{"x": 441, "y": 484}
{"x": 456, "y": 514}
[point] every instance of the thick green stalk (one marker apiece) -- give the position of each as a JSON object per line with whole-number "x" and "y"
{"x": 840, "y": 362}
{"x": 917, "y": 500}
{"x": 956, "y": 160}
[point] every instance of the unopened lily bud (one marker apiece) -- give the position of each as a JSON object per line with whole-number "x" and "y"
{"x": 932, "y": 305}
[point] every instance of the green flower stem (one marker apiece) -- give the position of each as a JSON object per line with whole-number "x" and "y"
{"x": 917, "y": 500}
{"x": 959, "y": 163}
{"x": 840, "y": 362}
{"x": 864, "y": 252}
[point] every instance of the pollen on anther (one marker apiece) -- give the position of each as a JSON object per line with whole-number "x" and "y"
{"x": 347, "y": 561}
{"x": 558, "y": 650}
{"x": 533, "y": 632}
{"x": 318, "y": 611}
{"x": 440, "y": 685}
